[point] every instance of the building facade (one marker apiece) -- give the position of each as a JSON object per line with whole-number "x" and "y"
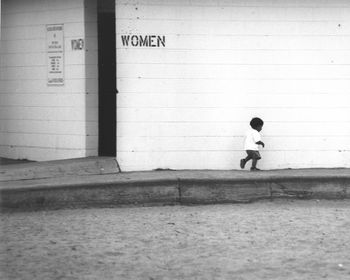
{"x": 189, "y": 75}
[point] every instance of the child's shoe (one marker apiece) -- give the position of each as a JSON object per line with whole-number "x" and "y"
{"x": 242, "y": 164}
{"x": 254, "y": 169}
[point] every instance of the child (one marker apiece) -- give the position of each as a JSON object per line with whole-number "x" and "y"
{"x": 252, "y": 142}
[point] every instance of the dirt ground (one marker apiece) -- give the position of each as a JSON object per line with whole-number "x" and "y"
{"x": 263, "y": 240}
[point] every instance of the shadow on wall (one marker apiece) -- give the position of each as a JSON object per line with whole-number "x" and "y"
{"x": 91, "y": 81}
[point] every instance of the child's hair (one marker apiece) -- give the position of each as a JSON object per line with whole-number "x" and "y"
{"x": 256, "y": 122}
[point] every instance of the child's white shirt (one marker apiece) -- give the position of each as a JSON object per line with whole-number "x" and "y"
{"x": 252, "y": 136}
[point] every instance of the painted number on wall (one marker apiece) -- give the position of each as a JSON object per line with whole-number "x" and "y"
{"x": 153, "y": 41}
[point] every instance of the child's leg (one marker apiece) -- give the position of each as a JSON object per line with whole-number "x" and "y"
{"x": 256, "y": 156}
{"x": 245, "y": 160}
{"x": 255, "y": 161}
{"x": 248, "y": 158}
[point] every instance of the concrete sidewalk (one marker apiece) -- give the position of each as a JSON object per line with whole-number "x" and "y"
{"x": 97, "y": 182}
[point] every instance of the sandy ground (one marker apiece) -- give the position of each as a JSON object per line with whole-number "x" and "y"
{"x": 263, "y": 240}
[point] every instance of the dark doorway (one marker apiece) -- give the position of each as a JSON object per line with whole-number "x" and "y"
{"x": 107, "y": 78}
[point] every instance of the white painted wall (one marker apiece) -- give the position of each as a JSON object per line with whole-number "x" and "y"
{"x": 188, "y": 104}
{"x": 37, "y": 121}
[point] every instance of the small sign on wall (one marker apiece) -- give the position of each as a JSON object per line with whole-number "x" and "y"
{"x": 55, "y": 54}
{"x": 77, "y": 44}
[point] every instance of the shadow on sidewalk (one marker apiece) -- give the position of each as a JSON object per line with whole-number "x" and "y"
{"x": 7, "y": 161}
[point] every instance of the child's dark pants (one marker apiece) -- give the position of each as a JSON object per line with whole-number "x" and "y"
{"x": 254, "y": 155}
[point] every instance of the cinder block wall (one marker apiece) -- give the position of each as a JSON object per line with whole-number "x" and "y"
{"x": 188, "y": 104}
{"x": 37, "y": 121}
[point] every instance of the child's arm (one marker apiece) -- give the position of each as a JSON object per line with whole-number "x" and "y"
{"x": 260, "y": 143}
